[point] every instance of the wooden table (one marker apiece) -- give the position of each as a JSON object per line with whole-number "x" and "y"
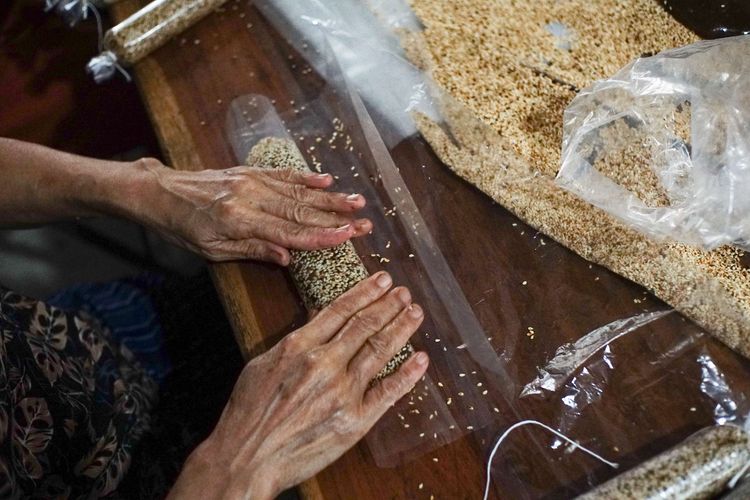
{"x": 513, "y": 277}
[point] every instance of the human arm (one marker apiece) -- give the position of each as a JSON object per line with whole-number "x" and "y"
{"x": 302, "y": 404}
{"x": 227, "y": 214}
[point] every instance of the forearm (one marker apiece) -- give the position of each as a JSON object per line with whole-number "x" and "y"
{"x": 206, "y": 476}
{"x": 41, "y": 185}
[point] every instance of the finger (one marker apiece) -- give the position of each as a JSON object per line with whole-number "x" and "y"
{"x": 365, "y": 323}
{"x": 252, "y": 248}
{"x": 383, "y": 345}
{"x": 329, "y": 320}
{"x": 309, "y": 179}
{"x": 323, "y": 200}
{"x": 312, "y": 313}
{"x": 386, "y": 392}
{"x": 290, "y": 234}
{"x": 303, "y": 214}
{"x": 362, "y": 227}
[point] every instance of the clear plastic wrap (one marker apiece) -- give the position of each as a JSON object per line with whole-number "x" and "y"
{"x": 570, "y": 357}
{"x": 664, "y": 145}
{"x": 145, "y": 31}
{"x": 320, "y": 276}
{"x": 334, "y": 132}
{"x": 364, "y": 44}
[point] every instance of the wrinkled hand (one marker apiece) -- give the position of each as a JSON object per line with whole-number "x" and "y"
{"x": 301, "y": 405}
{"x": 249, "y": 213}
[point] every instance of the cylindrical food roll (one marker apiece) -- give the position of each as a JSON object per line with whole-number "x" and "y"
{"x": 320, "y": 275}
{"x": 145, "y": 31}
{"x": 699, "y": 467}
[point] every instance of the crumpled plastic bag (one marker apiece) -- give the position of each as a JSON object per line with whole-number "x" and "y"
{"x": 664, "y": 145}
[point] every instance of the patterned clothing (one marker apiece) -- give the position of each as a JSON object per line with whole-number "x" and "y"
{"x": 73, "y": 402}
{"x": 126, "y": 309}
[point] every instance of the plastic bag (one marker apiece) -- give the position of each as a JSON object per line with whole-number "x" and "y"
{"x": 145, "y": 31}
{"x": 664, "y": 145}
{"x": 363, "y": 44}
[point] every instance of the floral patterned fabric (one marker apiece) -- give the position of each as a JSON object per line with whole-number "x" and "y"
{"x": 73, "y": 403}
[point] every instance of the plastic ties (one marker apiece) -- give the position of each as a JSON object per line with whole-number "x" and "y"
{"x": 104, "y": 66}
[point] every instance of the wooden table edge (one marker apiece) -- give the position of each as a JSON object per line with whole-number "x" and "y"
{"x": 161, "y": 104}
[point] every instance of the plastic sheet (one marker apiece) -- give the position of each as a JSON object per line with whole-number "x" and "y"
{"x": 570, "y": 357}
{"x": 360, "y": 34}
{"x": 664, "y": 145}
{"x": 586, "y": 397}
{"x": 145, "y": 31}
{"x": 641, "y": 387}
{"x": 334, "y": 132}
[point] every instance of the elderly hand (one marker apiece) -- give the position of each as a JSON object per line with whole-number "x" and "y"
{"x": 302, "y": 404}
{"x": 245, "y": 212}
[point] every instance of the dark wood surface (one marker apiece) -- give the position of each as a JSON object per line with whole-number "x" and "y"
{"x": 635, "y": 401}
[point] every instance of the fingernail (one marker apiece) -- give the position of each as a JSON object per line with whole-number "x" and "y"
{"x": 352, "y": 197}
{"x": 343, "y": 228}
{"x": 361, "y": 223}
{"x": 404, "y": 295}
{"x": 281, "y": 258}
{"x": 420, "y": 358}
{"x": 384, "y": 280}
{"x": 415, "y": 311}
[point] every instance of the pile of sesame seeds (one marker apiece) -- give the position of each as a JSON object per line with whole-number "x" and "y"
{"x": 319, "y": 275}
{"x": 508, "y": 83}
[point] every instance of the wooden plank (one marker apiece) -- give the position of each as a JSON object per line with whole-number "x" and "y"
{"x": 512, "y": 277}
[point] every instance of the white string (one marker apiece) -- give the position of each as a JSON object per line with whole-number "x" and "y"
{"x": 735, "y": 479}
{"x": 554, "y": 431}
{"x": 90, "y": 7}
{"x": 123, "y": 72}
